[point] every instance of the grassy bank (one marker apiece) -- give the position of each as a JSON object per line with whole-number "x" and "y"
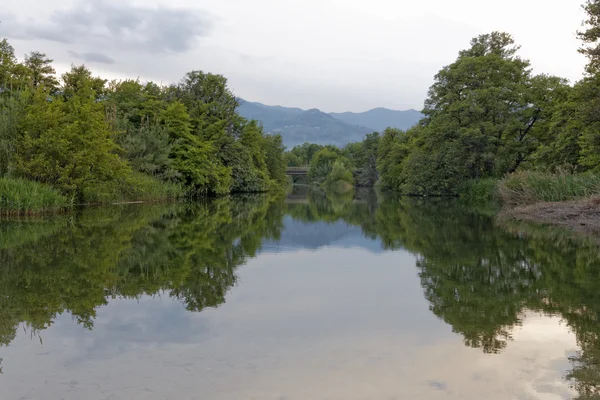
{"x": 526, "y": 188}
{"x": 20, "y": 196}
{"x": 568, "y": 200}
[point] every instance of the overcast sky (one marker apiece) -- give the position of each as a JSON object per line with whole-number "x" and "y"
{"x": 336, "y": 55}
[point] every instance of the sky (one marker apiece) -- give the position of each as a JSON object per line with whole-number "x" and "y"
{"x": 335, "y": 55}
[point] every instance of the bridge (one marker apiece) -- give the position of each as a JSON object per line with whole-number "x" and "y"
{"x": 303, "y": 171}
{"x": 296, "y": 171}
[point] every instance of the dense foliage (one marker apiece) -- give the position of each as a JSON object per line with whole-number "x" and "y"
{"x": 97, "y": 141}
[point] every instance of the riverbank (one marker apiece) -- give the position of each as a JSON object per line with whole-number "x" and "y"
{"x": 571, "y": 201}
{"x": 577, "y": 215}
{"x": 25, "y": 197}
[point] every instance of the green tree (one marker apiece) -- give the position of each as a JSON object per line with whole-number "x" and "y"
{"x": 68, "y": 144}
{"x": 8, "y": 61}
{"x": 485, "y": 116}
{"x": 340, "y": 175}
{"x": 589, "y": 88}
{"x": 41, "y": 70}
{"x": 393, "y": 149}
{"x": 249, "y": 167}
{"x": 591, "y": 36}
{"x": 322, "y": 164}
{"x": 194, "y": 159}
{"x": 275, "y": 158}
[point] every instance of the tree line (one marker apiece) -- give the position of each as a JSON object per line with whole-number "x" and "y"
{"x": 486, "y": 115}
{"x": 95, "y": 140}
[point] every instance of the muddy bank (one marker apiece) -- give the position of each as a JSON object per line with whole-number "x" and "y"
{"x": 580, "y": 216}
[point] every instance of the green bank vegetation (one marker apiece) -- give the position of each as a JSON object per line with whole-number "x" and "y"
{"x": 23, "y": 196}
{"x": 488, "y": 116}
{"x": 93, "y": 141}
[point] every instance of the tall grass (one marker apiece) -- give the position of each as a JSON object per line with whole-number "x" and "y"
{"x": 20, "y": 196}
{"x": 524, "y": 188}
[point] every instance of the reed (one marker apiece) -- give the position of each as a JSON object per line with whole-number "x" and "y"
{"x": 20, "y": 196}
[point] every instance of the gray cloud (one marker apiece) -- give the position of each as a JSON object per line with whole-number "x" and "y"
{"x": 93, "y": 57}
{"x": 99, "y": 24}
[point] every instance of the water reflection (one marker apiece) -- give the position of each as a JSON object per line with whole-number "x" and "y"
{"x": 520, "y": 294}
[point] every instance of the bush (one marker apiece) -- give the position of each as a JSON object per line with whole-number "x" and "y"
{"x": 20, "y": 196}
{"x": 138, "y": 187}
{"x": 480, "y": 191}
{"x": 339, "y": 175}
{"x": 532, "y": 187}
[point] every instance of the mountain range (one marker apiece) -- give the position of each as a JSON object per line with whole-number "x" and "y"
{"x": 297, "y": 126}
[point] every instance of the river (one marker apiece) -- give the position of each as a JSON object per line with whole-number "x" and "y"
{"x": 304, "y": 296}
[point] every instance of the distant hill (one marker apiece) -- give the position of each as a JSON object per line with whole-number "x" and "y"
{"x": 297, "y": 126}
{"x": 380, "y": 118}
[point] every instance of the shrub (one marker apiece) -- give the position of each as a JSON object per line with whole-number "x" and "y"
{"x": 480, "y": 191}
{"x": 339, "y": 175}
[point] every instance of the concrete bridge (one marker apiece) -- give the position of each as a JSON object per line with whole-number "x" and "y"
{"x": 303, "y": 171}
{"x": 297, "y": 171}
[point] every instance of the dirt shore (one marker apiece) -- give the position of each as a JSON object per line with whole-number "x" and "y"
{"x": 580, "y": 216}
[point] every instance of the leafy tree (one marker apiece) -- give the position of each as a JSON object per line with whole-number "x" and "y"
{"x": 302, "y": 155}
{"x": 364, "y": 157}
{"x": 12, "y": 108}
{"x": 485, "y": 116}
{"x": 68, "y": 144}
{"x": 591, "y": 36}
{"x": 394, "y": 148}
{"x": 322, "y": 164}
{"x": 339, "y": 175}
{"x": 41, "y": 71}
{"x": 194, "y": 159}
{"x": 8, "y": 61}
{"x": 249, "y": 167}
{"x": 275, "y": 159}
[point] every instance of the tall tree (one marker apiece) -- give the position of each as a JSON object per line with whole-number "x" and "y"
{"x": 591, "y": 36}
{"x": 483, "y": 117}
{"x": 41, "y": 70}
{"x": 8, "y": 61}
{"x": 68, "y": 144}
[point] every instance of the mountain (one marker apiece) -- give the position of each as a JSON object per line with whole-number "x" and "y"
{"x": 297, "y": 126}
{"x": 380, "y": 118}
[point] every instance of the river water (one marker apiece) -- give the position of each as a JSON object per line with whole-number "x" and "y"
{"x": 304, "y": 296}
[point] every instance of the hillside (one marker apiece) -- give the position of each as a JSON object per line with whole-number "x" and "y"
{"x": 380, "y": 118}
{"x": 298, "y": 126}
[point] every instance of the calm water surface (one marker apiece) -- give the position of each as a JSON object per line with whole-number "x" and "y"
{"x": 309, "y": 296}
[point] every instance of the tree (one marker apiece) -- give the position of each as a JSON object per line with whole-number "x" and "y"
{"x": 339, "y": 175}
{"x": 322, "y": 164}
{"x": 41, "y": 71}
{"x": 484, "y": 117}
{"x": 68, "y": 144}
{"x": 591, "y": 36}
{"x": 365, "y": 160}
{"x": 8, "y": 61}
{"x": 393, "y": 149}
{"x": 275, "y": 159}
{"x": 249, "y": 167}
{"x": 589, "y": 88}
{"x": 194, "y": 159}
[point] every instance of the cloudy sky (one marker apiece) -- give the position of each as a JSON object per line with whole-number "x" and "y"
{"x": 336, "y": 55}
